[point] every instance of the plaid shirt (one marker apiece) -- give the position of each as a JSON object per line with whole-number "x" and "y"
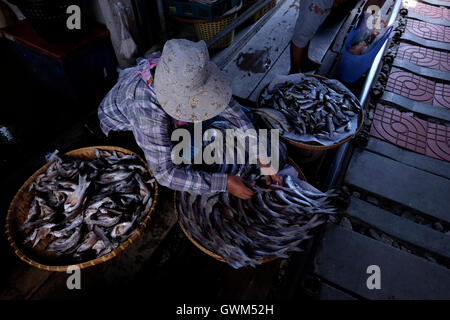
{"x": 132, "y": 105}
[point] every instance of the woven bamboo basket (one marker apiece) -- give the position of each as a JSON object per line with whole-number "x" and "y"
{"x": 314, "y": 145}
{"x": 206, "y": 30}
{"x": 248, "y": 3}
{"x": 38, "y": 257}
{"x": 210, "y": 253}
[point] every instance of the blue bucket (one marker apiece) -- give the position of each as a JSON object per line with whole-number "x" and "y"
{"x": 351, "y": 67}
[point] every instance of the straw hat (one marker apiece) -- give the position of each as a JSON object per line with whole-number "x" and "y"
{"x": 188, "y": 86}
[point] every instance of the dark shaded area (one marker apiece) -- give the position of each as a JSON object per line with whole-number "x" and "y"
{"x": 256, "y": 62}
{"x": 43, "y": 95}
{"x": 49, "y": 18}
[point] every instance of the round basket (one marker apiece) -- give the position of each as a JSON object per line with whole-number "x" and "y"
{"x": 19, "y": 207}
{"x": 248, "y": 3}
{"x": 313, "y": 145}
{"x": 210, "y": 253}
{"x": 206, "y": 30}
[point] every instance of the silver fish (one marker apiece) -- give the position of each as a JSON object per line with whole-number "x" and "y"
{"x": 115, "y": 176}
{"x": 75, "y": 199}
{"x": 62, "y": 245}
{"x": 311, "y": 106}
{"x": 106, "y": 221}
{"x": 274, "y": 115}
{"x": 99, "y": 246}
{"x": 88, "y": 243}
{"x": 271, "y": 224}
{"x": 32, "y": 213}
{"x": 39, "y": 234}
{"x": 122, "y": 228}
{"x": 82, "y": 202}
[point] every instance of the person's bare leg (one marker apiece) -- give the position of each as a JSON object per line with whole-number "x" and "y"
{"x": 296, "y": 58}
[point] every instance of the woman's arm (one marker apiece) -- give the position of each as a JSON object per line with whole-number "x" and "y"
{"x": 151, "y": 130}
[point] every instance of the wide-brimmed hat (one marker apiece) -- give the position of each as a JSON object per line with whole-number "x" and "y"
{"x": 188, "y": 86}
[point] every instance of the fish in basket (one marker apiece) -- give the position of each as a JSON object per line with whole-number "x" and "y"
{"x": 275, "y": 221}
{"x": 81, "y": 208}
{"x": 310, "y": 110}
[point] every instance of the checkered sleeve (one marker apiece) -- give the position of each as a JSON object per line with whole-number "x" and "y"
{"x": 110, "y": 114}
{"x": 239, "y": 120}
{"x": 151, "y": 128}
{"x": 236, "y": 116}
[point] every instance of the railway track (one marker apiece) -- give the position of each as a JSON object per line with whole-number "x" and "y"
{"x": 398, "y": 181}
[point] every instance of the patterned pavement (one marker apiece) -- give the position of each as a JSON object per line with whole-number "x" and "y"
{"x": 418, "y": 88}
{"x": 442, "y": 95}
{"x": 424, "y": 57}
{"x": 430, "y": 11}
{"x": 407, "y": 131}
{"x": 428, "y": 30}
{"x": 411, "y": 133}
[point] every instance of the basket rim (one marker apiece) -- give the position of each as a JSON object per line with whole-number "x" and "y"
{"x": 62, "y": 268}
{"x": 217, "y": 19}
{"x": 309, "y": 146}
{"x": 301, "y": 176}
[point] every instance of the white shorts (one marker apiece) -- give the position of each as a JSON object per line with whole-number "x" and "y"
{"x": 311, "y": 15}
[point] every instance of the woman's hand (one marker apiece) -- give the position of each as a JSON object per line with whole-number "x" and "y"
{"x": 238, "y": 187}
{"x": 273, "y": 179}
{"x": 270, "y": 174}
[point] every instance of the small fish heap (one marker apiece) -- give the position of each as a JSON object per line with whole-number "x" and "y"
{"x": 244, "y": 232}
{"x": 317, "y": 107}
{"x": 84, "y": 209}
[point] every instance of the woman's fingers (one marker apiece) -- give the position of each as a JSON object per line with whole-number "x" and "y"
{"x": 238, "y": 187}
{"x": 245, "y": 194}
{"x": 277, "y": 180}
{"x": 248, "y": 183}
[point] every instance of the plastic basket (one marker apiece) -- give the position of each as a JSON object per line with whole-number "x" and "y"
{"x": 351, "y": 67}
{"x": 206, "y": 30}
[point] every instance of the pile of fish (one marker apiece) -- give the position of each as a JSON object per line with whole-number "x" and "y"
{"x": 84, "y": 209}
{"x": 316, "y": 107}
{"x": 269, "y": 225}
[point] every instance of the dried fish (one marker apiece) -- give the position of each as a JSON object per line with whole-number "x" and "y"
{"x": 64, "y": 244}
{"x": 274, "y": 222}
{"x": 89, "y": 241}
{"x": 274, "y": 116}
{"x": 85, "y": 209}
{"x": 121, "y": 229}
{"x": 76, "y": 198}
{"x": 309, "y": 107}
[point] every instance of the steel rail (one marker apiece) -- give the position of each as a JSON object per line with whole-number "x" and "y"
{"x": 339, "y": 162}
{"x": 240, "y": 20}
